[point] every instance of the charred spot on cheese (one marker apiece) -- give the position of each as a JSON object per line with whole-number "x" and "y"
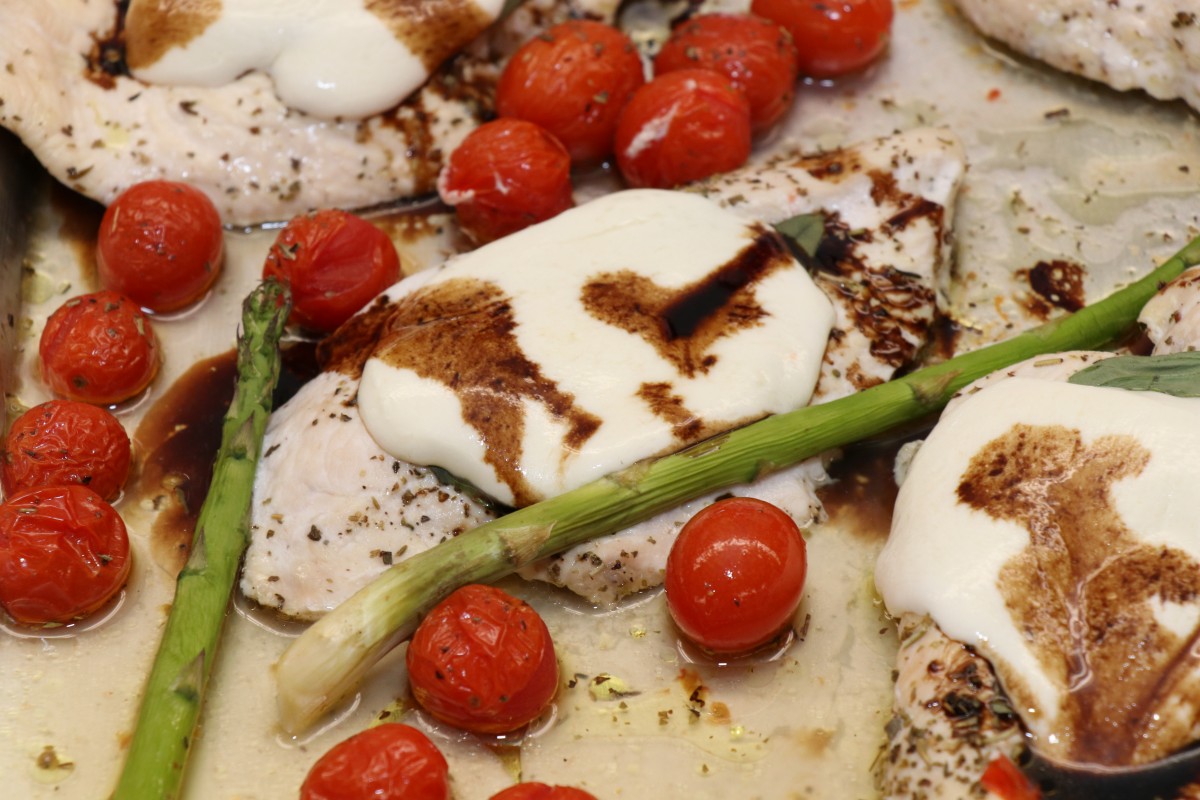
{"x": 1057, "y": 283}
{"x": 152, "y": 27}
{"x": 606, "y": 335}
{"x": 327, "y": 58}
{"x": 1052, "y": 526}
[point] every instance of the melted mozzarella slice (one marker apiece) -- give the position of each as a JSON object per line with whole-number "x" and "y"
{"x": 329, "y": 58}
{"x": 1052, "y": 526}
{"x": 624, "y": 328}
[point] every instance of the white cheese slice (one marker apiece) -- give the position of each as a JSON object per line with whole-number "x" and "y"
{"x": 593, "y": 378}
{"x": 946, "y": 551}
{"x": 328, "y": 58}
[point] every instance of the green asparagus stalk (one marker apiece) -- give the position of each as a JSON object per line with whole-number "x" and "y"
{"x": 175, "y": 689}
{"x": 328, "y": 660}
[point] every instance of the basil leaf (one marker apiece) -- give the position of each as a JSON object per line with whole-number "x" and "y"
{"x": 803, "y": 232}
{"x": 1175, "y": 374}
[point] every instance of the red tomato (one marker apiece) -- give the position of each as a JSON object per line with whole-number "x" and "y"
{"x": 683, "y": 126}
{"x": 506, "y": 175}
{"x": 755, "y": 54}
{"x": 66, "y": 442}
{"x": 387, "y": 762}
{"x": 540, "y": 791}
{"x": 735, "y": 575}
{"x": 833, "y": 37}
{"x": 160, "y": 245}
{"x": 98, "y": 348}
{"x": 483, "y": 661}
{"x": 573, "y": 80}
{"x": 64, "y": 553}
{"x": 335, "y": 263}
{"x": 1003, "y": 778}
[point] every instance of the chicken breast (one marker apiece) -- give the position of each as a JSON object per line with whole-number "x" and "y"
{"x": 1127, "y": 44}
{"x": 896, "y": 194}
{"x": 952, "y": 716}
{"x": 65, "y": 91}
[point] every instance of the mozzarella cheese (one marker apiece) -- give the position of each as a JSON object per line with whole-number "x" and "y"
{"x": 624, "y": 328}
{"x": 329, "y": 58}
{"x": 1052, "y": 526}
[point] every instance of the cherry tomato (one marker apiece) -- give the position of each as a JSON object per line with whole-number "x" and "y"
{"x": 735, "y": 575}
{"x": 64, "y": 553}
{"x": 506, "y": 175}
{"x": 755, "y": 54}
{"x": 833, "y": 37}
{"x": 1003, "y": 778}
{"x": 541, "y": 791}
{"x": 160, "y": 245}
{"x": 683, "y": 126}
{"x": 482, "y": 660}
{"x": 66, "y": 442}
{"x": 573, "y": 80}
{"x": 98, "y": 348}
{"x": 387, "y": 762}
{"x": 335, "y": 263}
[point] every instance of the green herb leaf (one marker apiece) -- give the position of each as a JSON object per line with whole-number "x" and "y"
{"x": 1175, "y": 374}
{"x": 804, "y": 232}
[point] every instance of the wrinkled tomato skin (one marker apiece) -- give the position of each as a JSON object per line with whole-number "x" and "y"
{"x": 573, "y": 80}
{"x": 98, "y": 348}
{"x": 387, "y": 762}
{"x": 755, "y": 54}
{"x": 735, "y": 575}
{"x": 64, "y": 553}
{"x": 483, "y": 661}
{"x": 533, "y": 790}
{"x": 160, "y": 244}
{"x": 833, "y": 37}
{"x": 681, "y": 127}
{"x": 507, "y": 174}
{"x": 64, "y": 442}
{"x": 335, "y": 263}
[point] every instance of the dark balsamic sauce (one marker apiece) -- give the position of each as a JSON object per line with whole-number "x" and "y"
{"x": 179, "y": 437}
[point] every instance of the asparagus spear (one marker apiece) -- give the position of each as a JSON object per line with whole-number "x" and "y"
{"x": 327, "y": 662}
{"x": 175, "y": 688}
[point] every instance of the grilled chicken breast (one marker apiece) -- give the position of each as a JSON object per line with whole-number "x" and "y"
{"x": 319, "y": 534}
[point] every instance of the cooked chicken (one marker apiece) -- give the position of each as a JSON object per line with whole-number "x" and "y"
{"x": 64, "y": 91}
{"x": 950, "y": 724}
{"x": 1127, "y": 44}
{"x": 901, "y": 217}
{"x": 888, "y": 208}
{"x": 1172, "y": 317}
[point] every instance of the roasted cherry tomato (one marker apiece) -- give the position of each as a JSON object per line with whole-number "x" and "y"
{"x": 1004, "y": 779}
{"x": 541, "y": 791}
{"x": 66, "y": 442}
{"x": 735, "y": 575}
{"x": 757, "y": 55}
{"x": 98, "y": 348}
{"x": 505, "y": 176}
{"x": 387, "y": 762}
{"x": 833, "y": 37}
{"x": 335, "y": 263}
{"x": 160, "y": 245}
{"x": 482, "y": 660}
{"x": 64, "y": 553}
{"x": 573, "y": 80}
{"x": 682, "y": 126}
